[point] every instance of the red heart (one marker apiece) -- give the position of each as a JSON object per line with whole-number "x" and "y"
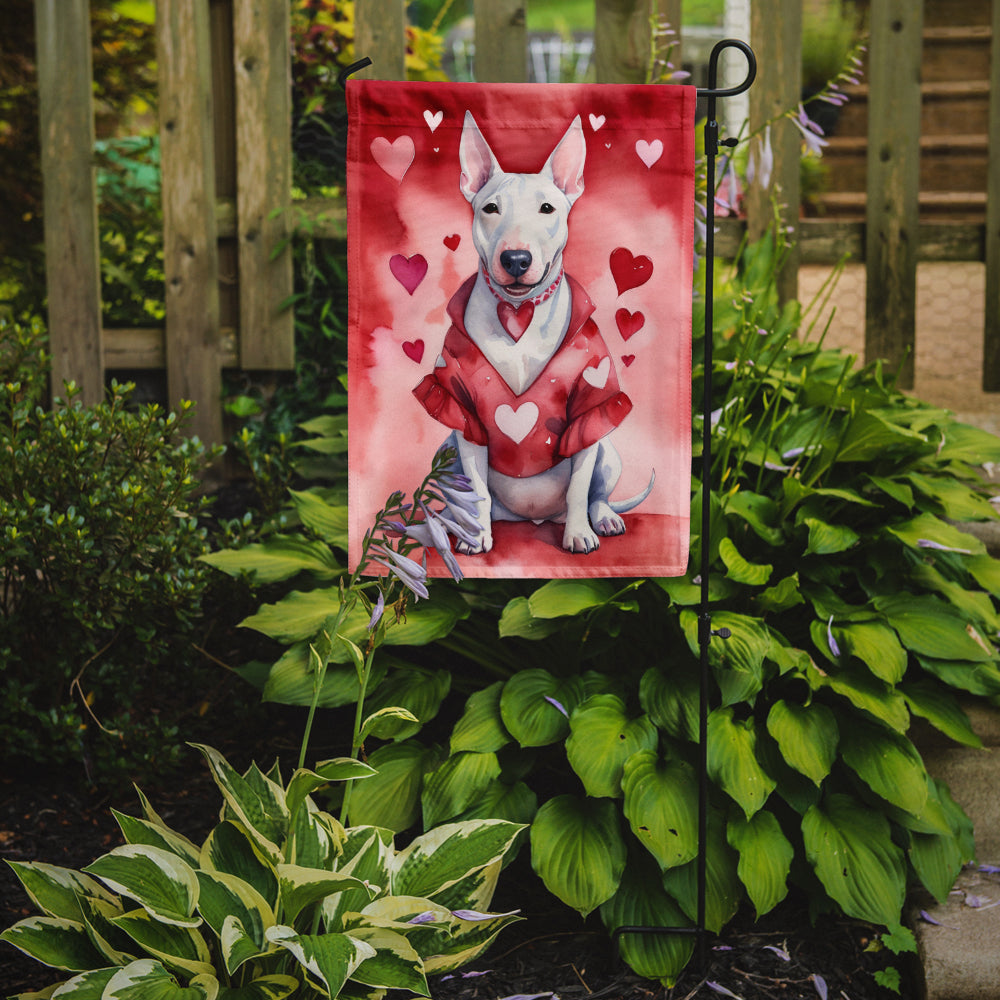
{"x": 629, "y": 323}
{"x": 628, "y": 271}
{"x": 451, "y": 242}
{"x": 515, "y": 321}
{"x": 628, "y": 359}
{"x": 408, "y": 271}
{"x": 414, "y": 350}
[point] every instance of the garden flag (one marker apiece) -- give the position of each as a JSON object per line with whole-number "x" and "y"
{"x": 520, "y": 270}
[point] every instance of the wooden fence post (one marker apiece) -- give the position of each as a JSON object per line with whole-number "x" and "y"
{"x": 190, "y": 251}
{"x": 380, "y": 34}
{"x": 892, "y": 215}
{"x": 991, "y": 332}
{"x": 776, "y": 35}
{"x": 262, "y": 61}
{"x": 622, "y": 40}
{"x": 501, "y": 41}
{"x": 72, "y": 255}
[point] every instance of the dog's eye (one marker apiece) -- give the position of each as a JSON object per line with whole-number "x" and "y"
{"x": 491, "y": 208}
{"x": 546, "y": 208}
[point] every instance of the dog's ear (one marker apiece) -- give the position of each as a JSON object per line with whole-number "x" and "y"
{"x": 477, "y": 159}
{"x": 565, "y": 165}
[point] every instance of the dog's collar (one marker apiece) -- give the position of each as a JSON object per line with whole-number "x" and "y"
{"x": 535, "y": 299}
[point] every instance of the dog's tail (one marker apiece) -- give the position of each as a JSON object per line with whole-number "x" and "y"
{"x": 623, "y": 506}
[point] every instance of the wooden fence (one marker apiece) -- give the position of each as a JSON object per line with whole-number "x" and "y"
{"x": 226, "y": 161}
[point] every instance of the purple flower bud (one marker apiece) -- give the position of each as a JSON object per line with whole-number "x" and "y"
{"x": 834, "y": 648}
{"x": 558, "y": 705}
{"x": 820, "y": 983}
{"x": 377, "y": 612}
{"x": 427, "y": 917}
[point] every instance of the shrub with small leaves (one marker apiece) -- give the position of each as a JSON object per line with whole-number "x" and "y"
{"x": 99, "y": 574}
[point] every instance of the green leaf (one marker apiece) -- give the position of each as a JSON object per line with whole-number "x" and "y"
{"x": 956, "y": 500}
{"x": 275, "y": 987}
{"x": 438, "y": 859}
{"x": 723, "y": 889}
{"x": 732, "y": 760}
{"x": 304, "y": 782}
{"x": 395, "y": 964}
{"x": 164, "y": 885}
{"x": 986, "y": 571}
{"x": 578, "y": 851}
{"x": 279, "y": 558}
{"x": 965, "y": 443}
{"x": 937, "y": 859}
{"x": 56, "y": 891}
{"x": 876, "y": 646}
{"x": 783, "y": 595}
{"x": 661, "y": 798}
{"x": 516, "y": 803}
{"x": 941, "y": 709}
{"x": 807, "y": 736}
{"x": 327, "y": 520}
{"x": 850, "y": 848}
{"x": 976, "y": 678}
{"x": 888, "y": 763}
{"x": 456, "y": 784}
{"x": 560, "y": 598}
{"x": 147, "y": 979}
{"x": 386, "y": 722}
{"x": 527, "y": 711}
{"x": 517, "y": 620}
{"x": 640, "y": 901}
{"x": 739, "y": 569}
{"x": 54, "y": 941}
{"x": 671, "y": 699}
{"x": 181, "y": 948}
{"x": 391, "y": 798}
{"x": 738, "y": 661}
{"x": 870, "y": 435}
{"x": 601, "y": 739}
{"x": 481, "y": 727}
{"x": 765, "y": 858}
{"x": 927, "y": 527}
{"x": 828, "y": 539}
{"x": 758, "y": 511}
{"x": 417, "y": 690}
{"x": 292, "y": 680}
{"x": 331, "y": 959}
{"x": 866, "y": 692}
{"x": 931, "y": 628}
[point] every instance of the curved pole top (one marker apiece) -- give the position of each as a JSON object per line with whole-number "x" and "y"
{"x": 712, "y": 90}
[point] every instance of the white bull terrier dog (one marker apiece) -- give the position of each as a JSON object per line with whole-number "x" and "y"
{"x": 524, "y": 378}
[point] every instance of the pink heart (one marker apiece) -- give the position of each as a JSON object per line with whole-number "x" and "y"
{"x": 451, "y": 242}
{"x": 414, "y": 350}
{"x": 629, "y": 323}
{"x": 433, "y": 119}
{"x": 628, "y": 271}
{"x": 627, "y": 359}
{"x": 394, "y": 157}
{"x": 515, "y": 321}
{"x": 516, "y": 424}
{"x": 596, "y": 121}
{"x": 649, "y": 152}
{"x": 408, "y": 271}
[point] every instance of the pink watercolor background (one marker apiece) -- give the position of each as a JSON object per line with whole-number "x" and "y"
{"x": 648, "y": 210}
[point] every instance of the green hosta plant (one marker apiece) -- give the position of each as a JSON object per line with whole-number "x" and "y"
{"x": 855, "y": 605}
{"x": 279, "y": 900}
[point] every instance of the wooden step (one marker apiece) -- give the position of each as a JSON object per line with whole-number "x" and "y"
{"x": 957, "y": 206}
{"x": 945, "y": 12}
{"x": 956, "y": 53}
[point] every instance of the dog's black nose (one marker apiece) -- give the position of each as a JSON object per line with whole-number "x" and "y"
{"x": 515, "y": 262}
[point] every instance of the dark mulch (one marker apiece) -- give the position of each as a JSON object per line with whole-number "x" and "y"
{"x": 551, "y": 951}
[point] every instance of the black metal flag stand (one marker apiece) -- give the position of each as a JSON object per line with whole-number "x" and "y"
{"x": 705, "y": 631}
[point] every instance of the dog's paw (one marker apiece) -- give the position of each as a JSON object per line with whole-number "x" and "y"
{"x": 605, "y": 521}
{"x": 483, "y": 544}
{"x": 580, "y": 540}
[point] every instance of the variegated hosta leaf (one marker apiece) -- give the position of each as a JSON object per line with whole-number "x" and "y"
{"x": 177, "y": 947}
{"x": 86, "y": 986}
{"x": 256, "y": 801}
{"x": 456, "y": 784}
{"x": 807, "y": 736}
{"x": 54, "y": 941}
{"x": 56, "y": 891}
{"x": 441, "y": 857}
{"x": 141, "y": 831}
{"x": 395, "y": 964}
{"x": 147, "y": 979}
{"x": 158, "y": 880}
{"x": 224, "y": 897}
{"x": 98, "y": 915}
{"x": 732, "y": 760}
{"x": 274, "y": 987}
{"x": 642, "y": 902}
{"x": 315, "y": 838}
{"x": 481, "y": 727}
{"x": 304, "y": 782}
{"x": 661, "y": 800}
{"x": 391, "y": 799}
{"x": 888, "y": 763}
{"x": 230, "y": 849}
{"x": 329, "y": 959}
{"x": 466, "y": 941}
{"x": 723, "y": 889}
{"x": 602, "y": 737}
{"x": 476, "y": 890}
{"x": 578, "y": 851}
{"x": 535, "y": 706}
{"x": 300, "y": 887}
{"x": 765, "y": 858}
{"x": 417, "y": 690}
{"x": 850, "y": 847}
{"x": 367, "y": 853}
